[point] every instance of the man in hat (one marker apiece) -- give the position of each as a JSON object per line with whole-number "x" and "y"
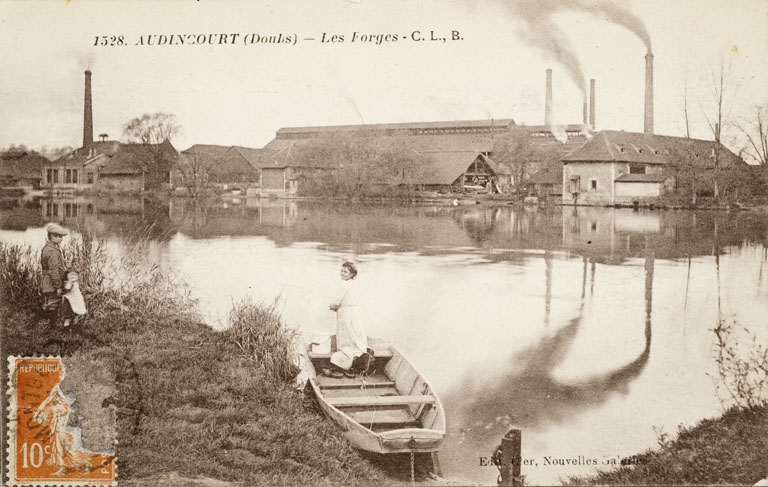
{"x": 52, "y": 262}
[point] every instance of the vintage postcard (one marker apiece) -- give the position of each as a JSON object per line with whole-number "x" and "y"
{"x": 365, "y": 242}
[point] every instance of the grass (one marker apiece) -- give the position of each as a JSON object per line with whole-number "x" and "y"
{"x": 191, "y": 403}
{"x": 256, "y": 328}
{"x": 726, "y": 450}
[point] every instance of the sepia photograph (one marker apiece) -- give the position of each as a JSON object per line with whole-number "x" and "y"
{"x": 368, "y": 242}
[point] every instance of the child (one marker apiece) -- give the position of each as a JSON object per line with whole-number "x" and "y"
{"x": 52, "y": 263}
{"x": 72, "y": 303}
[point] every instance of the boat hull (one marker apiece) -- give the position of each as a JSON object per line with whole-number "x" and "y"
{"x": 392, "y": 411}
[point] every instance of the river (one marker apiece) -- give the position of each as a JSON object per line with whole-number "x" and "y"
{"x": 587, "y": 328}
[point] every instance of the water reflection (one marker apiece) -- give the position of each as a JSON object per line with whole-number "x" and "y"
{"x": 545, "y": 398}
{"x": 604, "y": 235}
{"x": 120, "y": 216}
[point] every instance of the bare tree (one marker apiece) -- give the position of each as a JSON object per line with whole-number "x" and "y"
{"x": 193, "y": 172}
{"x": 153, "y": 152}
{"x": 721, "y": 89}
{"x": 756, "y": 132}
{"x": 686, "y": 116}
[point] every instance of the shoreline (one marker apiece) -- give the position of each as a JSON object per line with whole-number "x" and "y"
{"x": 416, "y": 198}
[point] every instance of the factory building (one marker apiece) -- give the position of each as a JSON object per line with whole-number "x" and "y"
{"x": 109, "y": 165}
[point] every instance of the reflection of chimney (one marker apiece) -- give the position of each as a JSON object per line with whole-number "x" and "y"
{"x": 592, "y": 104}
{"x": 548, "y": 102}
{"x": 648, "y": 119}
{"x": 87, "y": 114}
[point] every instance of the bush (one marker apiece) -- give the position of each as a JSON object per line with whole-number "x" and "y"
{"x": 258, "y": 330}
{"x": 742, "y": 364}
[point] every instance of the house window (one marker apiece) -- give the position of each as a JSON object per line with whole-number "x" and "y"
{"x": 593, "y": 184}
{"x": 90, "y": 178}
{"x": 574, "y": 184}
{"x": 74, "y": 176}
{"x": 49, "y": 176}
{"x": 56, "y": 176}
{"x": 637, "y": 169}
{"x": 67, "y": 175}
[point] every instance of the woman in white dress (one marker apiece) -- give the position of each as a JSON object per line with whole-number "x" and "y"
{"x": 351, "y": 339}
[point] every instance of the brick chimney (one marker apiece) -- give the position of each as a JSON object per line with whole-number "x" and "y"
{"x": 592, "y": 104}
{"x": 548, "y": 101}
{"x": 648, "y": 118}
{"x": 87, "y": 115}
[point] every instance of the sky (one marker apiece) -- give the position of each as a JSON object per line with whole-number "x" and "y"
{"x": 241, "y": 93}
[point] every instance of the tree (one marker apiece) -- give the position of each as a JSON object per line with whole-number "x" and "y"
{"x": 756, "y": 132}
{"x": 193, "y": 171}
{"x": 54, "y": 153}
{"x": 518, "y": 153}
{"x": 720, "y": 87}
{"x": 153, "y": 152}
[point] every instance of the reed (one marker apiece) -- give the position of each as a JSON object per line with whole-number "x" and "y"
{"x": 20, "y": 275}
{"x": 258, "y": 330}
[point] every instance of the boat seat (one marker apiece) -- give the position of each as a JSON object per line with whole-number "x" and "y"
{"x": 364, "y": 401}
{"x": 378, "y": 354}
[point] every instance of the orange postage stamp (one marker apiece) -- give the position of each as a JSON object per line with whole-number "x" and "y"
{"x": 46, "y": 443}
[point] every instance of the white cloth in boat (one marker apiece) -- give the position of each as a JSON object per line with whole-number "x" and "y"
{"x": 351, "y": 339}
{"x": 75, "y": 297}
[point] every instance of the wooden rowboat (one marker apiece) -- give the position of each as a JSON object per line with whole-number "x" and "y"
{"x": 392, "y": 410}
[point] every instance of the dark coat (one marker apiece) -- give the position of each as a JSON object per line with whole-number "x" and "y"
{"x": 52, "y": 262}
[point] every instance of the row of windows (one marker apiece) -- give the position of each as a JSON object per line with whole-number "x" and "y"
{"x": 67, "y": 210}
{"x": 68, "y": 176}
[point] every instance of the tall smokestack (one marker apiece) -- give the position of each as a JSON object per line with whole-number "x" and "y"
{"x": 548, "y": 102}
{"x": 592, "y": 104}
{"x": 648, "y": 119}
{"x": 585, "y": 112}
{"x": 87, "y": 114}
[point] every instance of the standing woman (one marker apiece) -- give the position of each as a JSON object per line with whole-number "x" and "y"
{"x": 351, "y": 339}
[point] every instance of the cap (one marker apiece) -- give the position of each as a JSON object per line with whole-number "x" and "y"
{"x": 57, "y": 229}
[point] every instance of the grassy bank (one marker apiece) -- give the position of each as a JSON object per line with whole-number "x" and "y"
{"x": 728, "y": 450}
{"x": 192, "y": 404}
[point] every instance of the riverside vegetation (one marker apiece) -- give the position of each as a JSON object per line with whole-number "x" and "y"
{"x": 725, "y": 450}
{"x": 193, "y": 405}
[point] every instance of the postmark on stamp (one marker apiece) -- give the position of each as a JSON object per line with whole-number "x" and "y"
{"x": 46, "y": 441}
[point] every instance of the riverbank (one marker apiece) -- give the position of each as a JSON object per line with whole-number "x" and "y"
{"x": 726, "y": 450}
{"x": 191, "y": 405}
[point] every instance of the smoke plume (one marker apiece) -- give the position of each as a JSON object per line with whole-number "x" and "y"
{"x": 539, "y": 30}
{"x": 623, "y": 17}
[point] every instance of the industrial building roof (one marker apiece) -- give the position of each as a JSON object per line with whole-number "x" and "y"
{"x": 455, "y": 125}
{"x": 127, "y": 160}
{"x": 633, "y": 147}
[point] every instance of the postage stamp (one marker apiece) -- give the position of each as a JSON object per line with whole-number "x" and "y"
{"x": 46, "y": 422}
